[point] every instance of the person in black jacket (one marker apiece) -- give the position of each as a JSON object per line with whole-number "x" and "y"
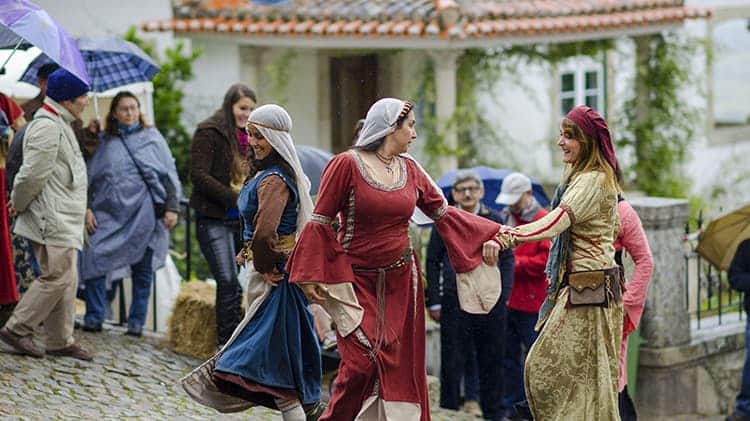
{"x": 739, "y": 279}
{"x": 459, "y": 330}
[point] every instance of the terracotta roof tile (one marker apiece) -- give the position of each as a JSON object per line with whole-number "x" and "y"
{"x": 421, "y": 18}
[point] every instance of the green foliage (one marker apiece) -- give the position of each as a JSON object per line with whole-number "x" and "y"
{"x": 478, "y": 70}
{"x": 659, "y": 122}
{"x": 176, "y": 68}
{"x": 278, "y": 70}
{"x": 662, "y": 137}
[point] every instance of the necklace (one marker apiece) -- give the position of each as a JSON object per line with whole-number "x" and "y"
{"x": 387, "y": 162}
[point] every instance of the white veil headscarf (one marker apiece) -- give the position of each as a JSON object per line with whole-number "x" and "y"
{"x": 380, "y": 122}
{"x": 274, "y": 123}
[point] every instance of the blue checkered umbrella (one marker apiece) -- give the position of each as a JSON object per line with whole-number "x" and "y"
{"x": 110, "y": 62}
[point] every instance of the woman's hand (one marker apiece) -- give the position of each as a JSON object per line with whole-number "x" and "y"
{"x": 240, "y": 258}
{"x": 90, "y": 221}
{"x": 315, "y": 292}
{"x": 273, "y": 278}
{"x": 170, "y": 219}
{"x": 490, "y": 252}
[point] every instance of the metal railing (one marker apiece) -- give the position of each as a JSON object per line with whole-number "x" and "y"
{"x": 710, "y": 299}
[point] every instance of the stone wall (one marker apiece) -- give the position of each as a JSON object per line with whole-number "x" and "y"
{"x": 682, "y": 371}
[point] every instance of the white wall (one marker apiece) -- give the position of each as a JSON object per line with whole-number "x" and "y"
{"x": 108, "y": 17}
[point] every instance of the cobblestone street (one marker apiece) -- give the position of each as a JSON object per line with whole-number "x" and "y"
{"x": 128, "y": 379}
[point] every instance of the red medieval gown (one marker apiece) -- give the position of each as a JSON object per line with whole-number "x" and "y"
{"x": 8, "y": 291}
{"x": 381, "y": 342}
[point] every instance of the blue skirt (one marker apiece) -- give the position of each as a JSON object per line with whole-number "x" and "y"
{"x": 277, "y": 352}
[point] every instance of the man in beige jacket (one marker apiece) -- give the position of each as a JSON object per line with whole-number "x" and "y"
{"x": 49, "y": 196}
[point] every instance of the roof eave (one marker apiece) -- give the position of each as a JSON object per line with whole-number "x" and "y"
{"x": 419, "y": 43}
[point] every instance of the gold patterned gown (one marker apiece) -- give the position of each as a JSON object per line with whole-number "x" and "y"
{"x": 572, "y": 369}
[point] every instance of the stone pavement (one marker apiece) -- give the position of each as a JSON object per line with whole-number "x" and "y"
{"x": 129, "y": 379}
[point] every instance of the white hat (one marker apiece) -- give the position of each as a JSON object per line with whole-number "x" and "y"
{"x": 514, "y": 185}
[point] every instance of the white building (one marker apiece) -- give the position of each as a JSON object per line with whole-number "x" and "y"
{"x": 328, "y": 61}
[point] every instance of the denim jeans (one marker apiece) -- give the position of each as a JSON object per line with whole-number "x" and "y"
{"x": 743, "y": 398}
{"x": 217, "y": 243}
{"x": 97, "y": 300}
{"x": 520, "y": 331}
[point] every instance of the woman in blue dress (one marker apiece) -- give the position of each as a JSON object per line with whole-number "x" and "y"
{"x": 273, "y": 358}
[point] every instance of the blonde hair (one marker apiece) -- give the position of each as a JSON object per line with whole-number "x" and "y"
{"x": 590, "y": 159}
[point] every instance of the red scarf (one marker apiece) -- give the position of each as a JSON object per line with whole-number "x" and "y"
{"x": 594, "y": 126}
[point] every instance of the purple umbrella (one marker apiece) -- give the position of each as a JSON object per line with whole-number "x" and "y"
{"x": 34, "y": 25}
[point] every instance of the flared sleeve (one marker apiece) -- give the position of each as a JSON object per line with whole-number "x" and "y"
{"x": 463, "y": 233}
{"x": 318, "y": 257}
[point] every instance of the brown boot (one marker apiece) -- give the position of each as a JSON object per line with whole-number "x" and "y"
{"x": 21, "y": 344}
{"x": 74, "y": 351}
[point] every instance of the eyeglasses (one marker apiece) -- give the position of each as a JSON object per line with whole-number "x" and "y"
{"x": 471, "y": 189}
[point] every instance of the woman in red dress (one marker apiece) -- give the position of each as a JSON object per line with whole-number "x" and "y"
{"x": 8, "y": 292}
{"x": 367, "y": 276}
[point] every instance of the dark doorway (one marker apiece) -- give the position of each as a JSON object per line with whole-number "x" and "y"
{"x": 354, "y": 87}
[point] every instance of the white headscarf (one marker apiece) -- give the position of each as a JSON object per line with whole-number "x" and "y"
{"x": 274, "y": 123}
{"x": 380, "y": 122}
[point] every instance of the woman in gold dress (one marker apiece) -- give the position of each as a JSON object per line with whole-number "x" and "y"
{"x": 572, "y": 369}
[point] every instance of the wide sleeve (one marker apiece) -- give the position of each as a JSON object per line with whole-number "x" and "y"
{"x": 273, "y": 195}
{"x": 478, "y": 285}
{"x": 202, "y": 153}
{"x": 318, "y": 257}
{"x": 634, "y": 241}
{"x": 580, "y": 203}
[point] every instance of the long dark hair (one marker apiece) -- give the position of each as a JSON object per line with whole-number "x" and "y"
{"x": 235, "y": 93}
{"x": 373, "y": 146}
{"x": 111, "y": 123}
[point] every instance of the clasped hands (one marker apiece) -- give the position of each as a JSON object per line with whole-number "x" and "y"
{"x": 491, "y": 248}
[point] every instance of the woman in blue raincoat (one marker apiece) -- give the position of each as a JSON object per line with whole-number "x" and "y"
{"x": 133, "y": 202}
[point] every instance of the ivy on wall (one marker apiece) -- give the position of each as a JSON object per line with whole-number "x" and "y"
{"x": 659, "y": 122}
{"x": 663, "y": 128}
{"x": 478, "y": 70}
{"x": 278, "y": 72}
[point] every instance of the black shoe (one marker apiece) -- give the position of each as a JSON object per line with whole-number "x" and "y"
{"x": 136, "y": 331}
{"x": 92, "y": 328}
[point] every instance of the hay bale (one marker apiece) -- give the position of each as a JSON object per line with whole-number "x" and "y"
{"x": 192, "y": 326}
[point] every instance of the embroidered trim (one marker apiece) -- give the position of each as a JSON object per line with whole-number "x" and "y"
{"x": 321, "y": 219}
{"x": 362, "y": 338}
{"x": 440, "y": 211}
{"x": 569, "y": 211}
{"x": 546, "y": 227}
{"x": 349, "y": 222}
{"x": 376, "y": 184}
{"x": 255, "y": 123}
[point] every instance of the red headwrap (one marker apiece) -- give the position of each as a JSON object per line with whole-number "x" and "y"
{"x": 594, "y": 126}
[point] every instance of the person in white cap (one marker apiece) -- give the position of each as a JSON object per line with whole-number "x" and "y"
{"x": 529, "y": 285}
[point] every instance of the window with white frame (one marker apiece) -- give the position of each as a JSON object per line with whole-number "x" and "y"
{"x": 582, "y": 85}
